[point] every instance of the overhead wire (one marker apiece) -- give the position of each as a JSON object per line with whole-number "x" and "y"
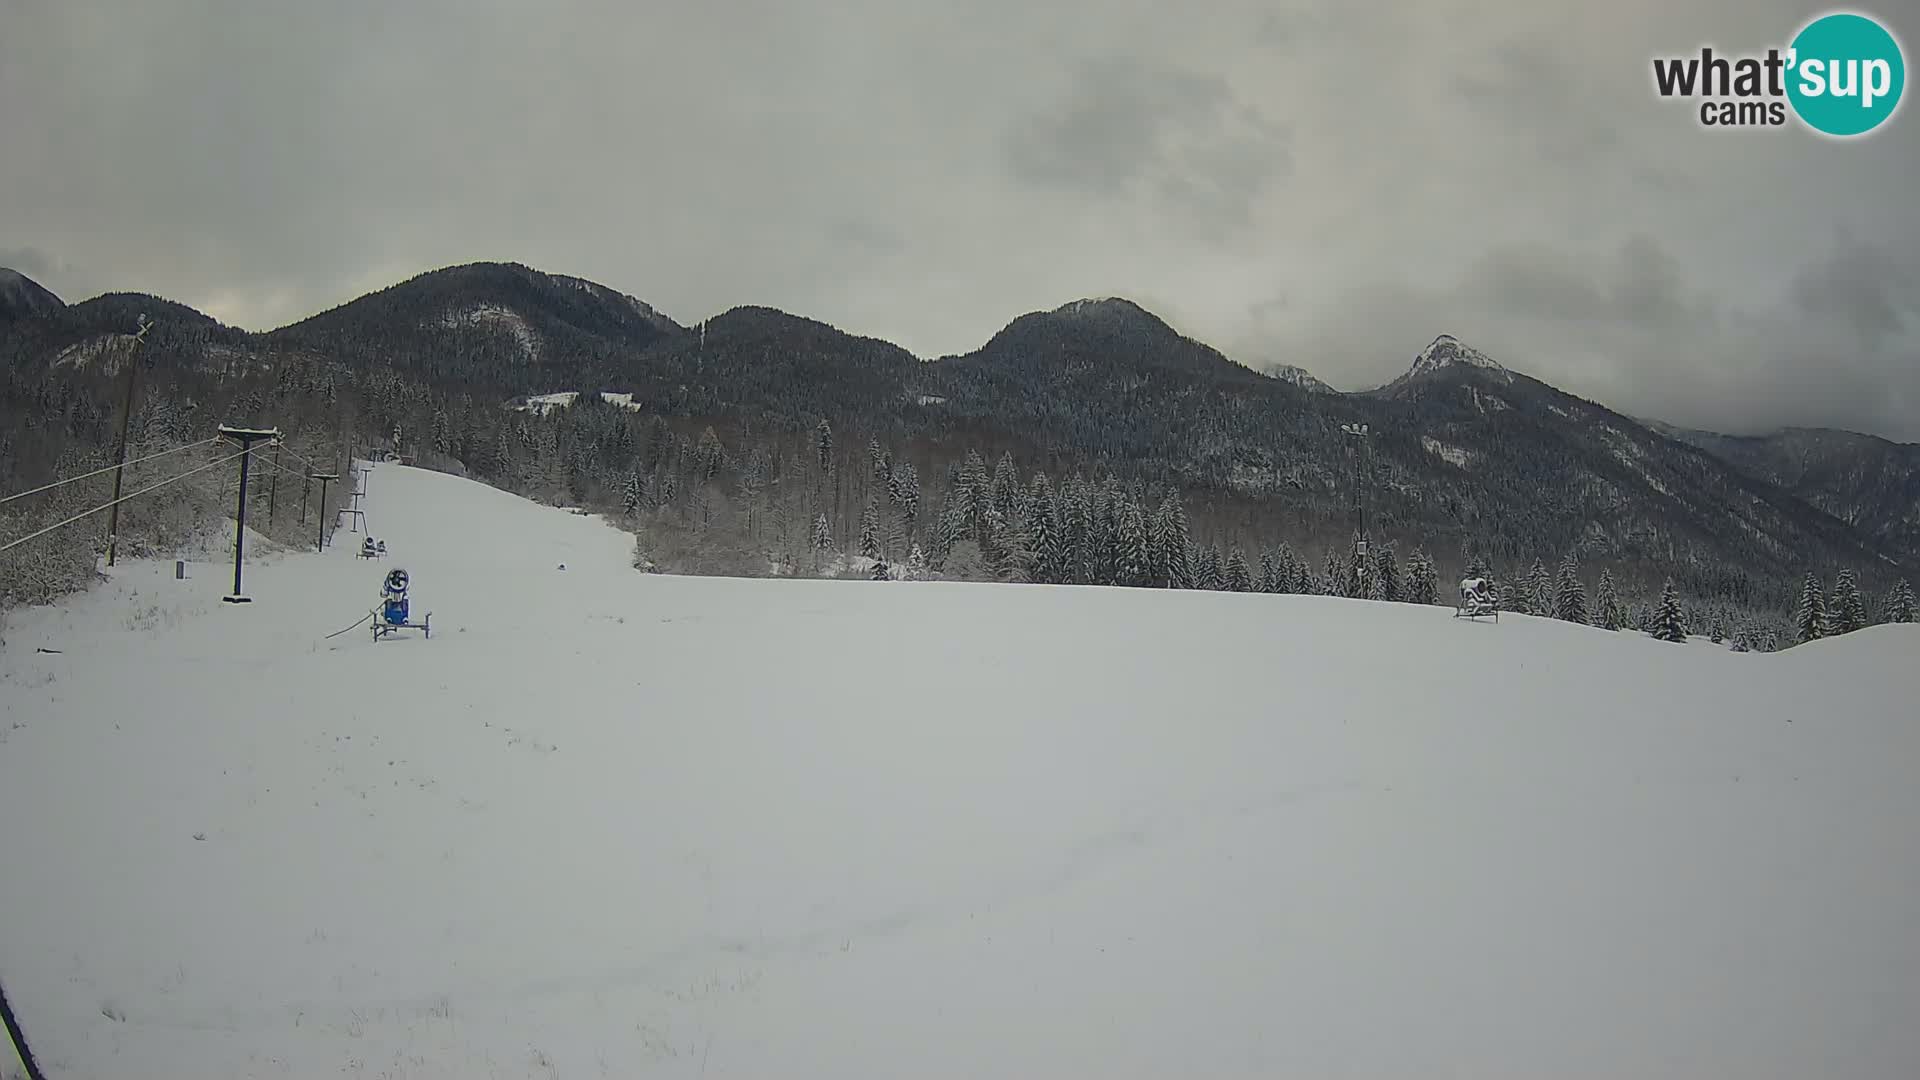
{"x": 107, "y": 469}
{"x": 11, "y": 544}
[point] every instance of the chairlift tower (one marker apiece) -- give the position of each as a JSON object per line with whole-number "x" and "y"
{"x": 245, "y": 437}
{"x": 356, "y": 517}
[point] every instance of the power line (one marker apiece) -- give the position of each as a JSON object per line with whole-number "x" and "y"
{"x": 108, "y": 469}
{"x": 298, "y": 456}
{"x": 10, "y": 545}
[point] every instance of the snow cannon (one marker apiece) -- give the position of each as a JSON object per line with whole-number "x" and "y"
{"x": 1476, "y": 599}
{"x": 394, "y": 607}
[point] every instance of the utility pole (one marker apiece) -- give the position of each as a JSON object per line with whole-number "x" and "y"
{"x": 1359, "y": 432}
{"x": 246, "y": 437}
{"x": 273, "y": 485}
{"x": 120, "y": 449}
{"x": 325, "y": 479}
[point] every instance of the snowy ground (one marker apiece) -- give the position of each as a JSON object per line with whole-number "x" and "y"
{"x": 607, "y": 824}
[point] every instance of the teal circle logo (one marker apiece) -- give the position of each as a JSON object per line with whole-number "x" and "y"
{"x": 1845, "y": 75}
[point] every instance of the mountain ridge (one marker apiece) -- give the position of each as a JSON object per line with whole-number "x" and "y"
{"x": 1467, "y": 454}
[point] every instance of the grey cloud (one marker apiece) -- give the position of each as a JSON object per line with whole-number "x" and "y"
{"x": 32, "y": 262}
{"x": 923, "y": 173}
{"x": 1631, "y": 329}
{"x": 1867, "y": 291}
{"x": 1128, "y": 127}
{"x": 1521, "y": 93}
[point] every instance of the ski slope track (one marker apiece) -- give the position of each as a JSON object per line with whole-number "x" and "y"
{"x": 607, "y": 824}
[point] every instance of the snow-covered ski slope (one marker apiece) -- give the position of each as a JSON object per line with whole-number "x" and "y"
{"x": 607, "y": 824}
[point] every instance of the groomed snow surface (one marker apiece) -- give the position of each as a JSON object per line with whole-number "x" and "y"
{"x": 607, "y": 824}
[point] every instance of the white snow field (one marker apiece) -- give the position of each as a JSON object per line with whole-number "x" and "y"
{"x": 607, "y": 824}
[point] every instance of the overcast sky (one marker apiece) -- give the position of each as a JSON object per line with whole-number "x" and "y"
{"x": 1329, "y": 185}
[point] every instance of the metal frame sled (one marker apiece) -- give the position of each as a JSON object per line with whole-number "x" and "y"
{"x": 381, "y": 627}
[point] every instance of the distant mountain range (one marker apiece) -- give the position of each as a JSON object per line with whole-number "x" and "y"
{"x": 1464, "y": 453}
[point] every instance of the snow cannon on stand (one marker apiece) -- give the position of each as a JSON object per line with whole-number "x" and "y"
{"x": 392, "y": 614}
{"x": 1476, "y": 599}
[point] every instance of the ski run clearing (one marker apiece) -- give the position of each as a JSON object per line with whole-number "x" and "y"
{"x": 610, "y": 824}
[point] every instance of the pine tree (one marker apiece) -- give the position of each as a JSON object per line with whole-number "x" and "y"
{"x": 1269, "y": 571}
{"x": 916, "y": 563}
{"x": 1570, "y": 598}
{"x": 823, "y": 445}
{"x": 630, "y": 495}
{"x": 905, "y": 482}
{"x": 1293, "y": 573}
{"x": 881, "y": 572}
{"x": 1899, "y": 607}
{"x": 1006, "y": 550}
{"x": 1537, "y": 593}
{"x": 1043, "y": 529}
{"x": 1004, "y": 489}
{"x": 1508, "y": 598}
{"x": 1132, "y": 564}
{"x": 1668, "y": 624}
{"x": 822, "y": 538}
{"x": 1849, "y": 611}
{"x": 1423, "y": 580}
{"x": 1076, "y": 534}
{"x": 970, "y": 503}
{"x": 1236, "y": 575}
{"x": 1170, "y": 545}
{"x": 1207, "y": 573}
{"x": 1385, "y": 579}
{"x": 870, "y": 530}
{"x": 1334, "y": 575}
{"x": 1611, "y": 616}
{"x": 1810, "y": 621}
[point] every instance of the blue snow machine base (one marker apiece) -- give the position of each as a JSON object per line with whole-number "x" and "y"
{"x": 392, "y": 613}
{"x": 391, "y": 621}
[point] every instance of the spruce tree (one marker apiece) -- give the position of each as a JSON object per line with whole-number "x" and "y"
{"x": 1810, "y": 621}
{"x": 1269, "y": 571}
{"x": 1131, "y": 563}
{"x": 1384, "y": 583}
{"x": 1508, "y": 598}
{"x": 1423, "y": 584}
{"x": 1170, "y": 543}
{"x": 1043, "y": 530}
{"x": 906, "y": 494}
{"x": 916, "y": 563}
{"x": 1849, "y": 611}
{"x": 870, "y": 530}
{"x": 1334, "y": 576}
{"x": 1668, "y": 624}
{"x": 1293, "y": 573}
{"x": 1537, "y": 594}
{"x": 823, "y": 445}
{"x": 1610, "y": 615}
{"x": 822, "y": 537}
{"x": 1899, "y": 607}
{"x": 1208, "y": 574}
{"x": 1570, "y": 599}
{"x": 1237, "y": 577}
{"x": 630, "y": 495}
{"x": 881, "y": 571}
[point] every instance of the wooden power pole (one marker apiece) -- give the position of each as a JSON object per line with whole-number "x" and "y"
{"x": 120, "y": 443}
